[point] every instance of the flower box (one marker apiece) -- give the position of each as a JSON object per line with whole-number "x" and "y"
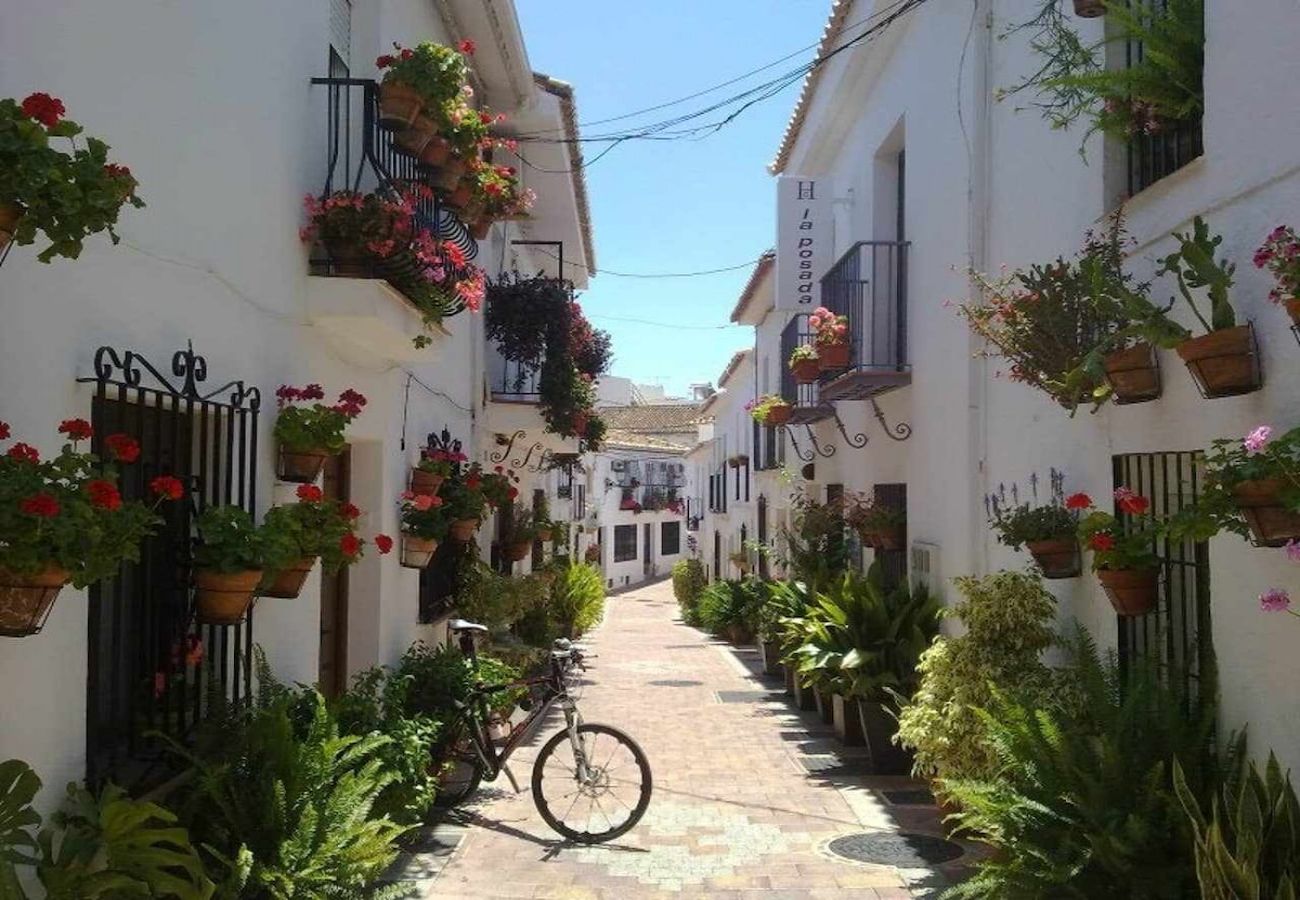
{"x": 1133, "y": 373}
{"x": 1271, "y": 522}
{"x": 1058, "y": 558}
{"x": 1133, "y": 592}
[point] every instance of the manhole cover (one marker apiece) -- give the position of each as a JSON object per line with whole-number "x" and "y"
{"x": 669, "y": 682}
{"x": 918, "y": 797}
{"x": 902, "y": 849}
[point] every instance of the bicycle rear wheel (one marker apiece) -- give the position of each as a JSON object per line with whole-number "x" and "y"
{"x": 613, "y": 797}
{"x": 461, "y": 771}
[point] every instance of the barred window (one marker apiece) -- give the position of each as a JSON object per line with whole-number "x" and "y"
{"x": 670, "y": 538}
{"x": 624, "y": 543}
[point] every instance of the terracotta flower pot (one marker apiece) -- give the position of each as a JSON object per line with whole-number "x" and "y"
{"x": 436, "y": 152}
{"x": 846, "y": 721}
{"x": 1223, "y": 363}
{"x": 301, "y": 466}
{"x": 399, "y": 105}
{"x": 462, "y": 530}
{"x": 480, "y": 229}
{"x": 1271, "y": 523}
{"x": 1133, "y": 373}
{"x": 288, "y": 582}
{"x": 1057, "y": 557}
{"x": 26, "y": 600}
{"x": 544, "y": 535}
{"x": 224, "y": 598}
{"x": 10, "y": 213}
{"x": 1132, "y": 592}
{"x": 1089, "y": 9}
{"x": 414, "y": 139}
{"x": 806, "y": 371}
{"x": 517, "y": 551}
{"x": 422, "y": 482}
{"x": 1292, "y": 305}
{"x": 461, "y": 195}
{"x": 347, "y": 260}
{"x": 833, "y": 356}
{"x": 417, "y": 552}
{"x": 448, "y": 178}
{"x": 778, "y": 415}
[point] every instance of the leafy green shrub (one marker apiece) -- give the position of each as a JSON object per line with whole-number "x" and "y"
{"x": 577, "y": 600}
{"x": 495, "y": 600}
{"x": 688, "y": 582}
{"x": 98, "y": 846}
{"x": 730, "y": 608}
{"x": 782, "y": 602}
{"x": 1008, "y": 617}
{"x": 814, "y": 549}
{"x": 1082, "y": 802}
{"x": 1250, "y": 845}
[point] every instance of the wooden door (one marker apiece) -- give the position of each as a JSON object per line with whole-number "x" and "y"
{"x": 333, "y": 676}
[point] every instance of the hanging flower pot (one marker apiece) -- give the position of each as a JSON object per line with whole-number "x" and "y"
{"x": 518, "y": 550}
{"x": 417, "y": 552}
{"x": 778, "y": 414}
{"x": 1223, "y": 363}
{"x": 806, "y": 371}
{"x": 448, "y": 178}
{"x": 10, "y": 213}
{"x": 26, "y": 600}
{"x": 1271, "y": 522}
{"x": 223, "y": 598}
{"x": 480, "y": 229}
{"x": 1292, "y": 305}
{"x": 414, "y": 139}
{"x": 436, "y": 152}
{"x": 1089, "y": 9}
{"x": 1133, "y": 373}
{"x": 423, "y": 482}
{"x": 1132, "y": 592}
{"x": 301, "y": 466}
{"x": 461, "y": 195}
{"x": 833, "y": 356}
{"x": 399, "y": 104}
{"x": 287, "y": 583}
{"x": 1058, "y": 558}
{"x": 462, "y": 530}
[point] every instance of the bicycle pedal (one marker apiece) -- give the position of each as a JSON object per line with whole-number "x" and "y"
{"x": 510, "y": 776}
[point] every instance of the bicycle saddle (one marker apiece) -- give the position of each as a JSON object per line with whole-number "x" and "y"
{"x": 463, "y": 625}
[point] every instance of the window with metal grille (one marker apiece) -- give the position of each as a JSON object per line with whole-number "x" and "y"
{"x": 893, "y": 563}
{"x": 1152, "y": 157}
{"x": 624, "y": 543}
{"x": 670, "y": 538}
{"x": 140, "y": 679}
{"x": 1177, "y": 634}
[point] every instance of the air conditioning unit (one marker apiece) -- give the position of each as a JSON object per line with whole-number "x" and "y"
{"x": 924, "y": 568}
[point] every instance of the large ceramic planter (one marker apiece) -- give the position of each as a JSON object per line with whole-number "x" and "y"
{"x": 224, "y": 598}
{"x": 423, "y": 482}
{"x": 1133, "y": 374}
{"x": 878, "y": 729}
{"x": 10, "y": 213}
{"x": 806, "y": 371}
{"x": 462, "y": 530}
{"x": 822, "y": 703}
{"x": 26, "y": 600}
{"x": 833, "y": 356}
{"x": 770, "y": 653}
{"x": 1271, "y": 523}
{"x": 1292, "y": 305}
{"x": 414, "y": 139}
{"x": 1132, "y": 592}
{"x": 417, "y": 552}
{"x": 1058, "y": 558}
{"x": 288, "y": 582}
{"x": 1089, "y": 9}
{"x": 518, "y": 550}
{"x": 846, "y": 721}
{"x": 803, "y": 694}
{"x": 301, "y": 466}
{"x": 1223, "y": 363}
{"x": 399, "y": 105}
{"x": 778, "y": 415}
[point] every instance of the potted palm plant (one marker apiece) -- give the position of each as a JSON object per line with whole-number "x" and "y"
{"x": 1050, "y": 533}
{"x": 298, "y": 534}
{"x": 831, "y": 337}
{"x": 804, "y": 364}
{"x": 229, "y": 563}
{"x": 64, "y": 520}
{"x": 308, "y": 435}
{"x": 1123, "y": 557}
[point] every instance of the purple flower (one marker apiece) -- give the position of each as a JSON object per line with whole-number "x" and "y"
{"x": 1293, "y": 551}
{"x": 1274, "y": 600}
{"x": 1257, "y": 439}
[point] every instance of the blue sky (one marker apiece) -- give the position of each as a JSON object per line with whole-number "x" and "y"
{"x": 681, "y": 206}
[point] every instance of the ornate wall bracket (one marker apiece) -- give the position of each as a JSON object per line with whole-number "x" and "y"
{"x": 899, "y": 432}
{"x": 857, "y": 441}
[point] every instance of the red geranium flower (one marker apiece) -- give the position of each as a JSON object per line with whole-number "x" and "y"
{"x": 467, "y": 47}
{"x": 407, "y": 53}
{"x": 167, "y": 487}
{"x": 42, "y": 505}
{"x": 310, "y": 493}
{"x": 1078, "y": 501}
{"x": 384, "y": 61}
{"x": 512, "y": 493}
{"x": 44, "y": 109}
{"x": 113, "y": 170}
{"x": 123, "y": 447}
{"x": 25, "y": 452}
{"x": 1102, "y": 541}
{"x": 350, "y": 544}
{"x": 104, "y": 494}
{"x": 1130, "y": 502}
{"x": 4, "y": 431}
{"x": 350, "y": 511}
{"x": 383, "y": 543}
{"x": 76, "y": 429}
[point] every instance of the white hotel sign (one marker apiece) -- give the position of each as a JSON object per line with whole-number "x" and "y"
{"x": 804, "y": 238}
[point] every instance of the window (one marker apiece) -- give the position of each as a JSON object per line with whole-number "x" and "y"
{"x": 1152, "y": 157}
{"x": 624, "y": 543}
{"x": 670, "y": 538}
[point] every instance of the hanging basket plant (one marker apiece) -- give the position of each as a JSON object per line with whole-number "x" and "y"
{"x": 1122, "y": 552}
{"x": 879, "y": 525}
{"x": 1255, "y": 480}
{"x": 831, "y": 338}
{"x": 64, "y": 195}
{"x": 805, "y": 364}
{"x": 425, "y": 520}
{"x": 1280, "y": 255}
{"x": 229, "y": 563}
{"x": 1049, "y": 533}
{"x": 64, "y": 520}
{"x": 771, "y": 410}
{"x": 298, "y": 534}
{"x": 308, "y": 435}
{"x": 424, "y": 77}
{"x": 1133, "y": 373}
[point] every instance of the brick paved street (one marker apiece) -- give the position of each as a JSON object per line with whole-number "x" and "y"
{"x": 735, "y": 812}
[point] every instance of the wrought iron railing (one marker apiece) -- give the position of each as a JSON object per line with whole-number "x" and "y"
{"x": 868, "y": 284}
{"x": 805, "y": 398}
{"x": 514, "y": 381}
{"x": 652, "y": 496}
{"x": 1152, "y": 157}
{"x": 718, "y": 491}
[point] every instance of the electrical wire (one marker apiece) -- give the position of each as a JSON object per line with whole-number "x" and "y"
{"x": 674, "y": 325}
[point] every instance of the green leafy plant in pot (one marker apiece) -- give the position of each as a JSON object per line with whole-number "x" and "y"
{"x": 1123, "y": 555}
{"x": 229, "y": 563}
{"x": 1050, "y": 532}
{"x": 298, "y": 534}
{"x": 416, "y": 78}
{"x": 520, "y": 532}
{"x": 425, "y": 520}
{"x": 310, "y": 434}
{"x": 804, "y": 363}
{"x": 1258, "y": 478}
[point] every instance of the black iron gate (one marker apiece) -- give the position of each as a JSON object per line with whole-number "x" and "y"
{"x": 1178, "y": 632}
{"x": 145, "y": 671}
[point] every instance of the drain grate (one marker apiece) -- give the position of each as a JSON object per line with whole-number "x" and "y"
{"x": 747, "y": 696}
{"x": 917, "y": 797}
{"x": 905, "y": 850}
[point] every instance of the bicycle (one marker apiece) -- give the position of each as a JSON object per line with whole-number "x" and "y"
{"x": 599, "y": 762}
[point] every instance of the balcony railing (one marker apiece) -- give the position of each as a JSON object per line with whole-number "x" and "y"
{"x": 809, "y": 406}
{"x": 869, "y": 285}
{"x": 513, "y": 382}
{"x": 361, "y": 156}
{"x": 653, "y": 497}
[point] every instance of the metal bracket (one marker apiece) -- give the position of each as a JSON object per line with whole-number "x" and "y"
{"x": 900, "y": 432}
{"x": 858, "y": 441}
{"x": 794, "y": 442}
{"x": 825, "y": 452}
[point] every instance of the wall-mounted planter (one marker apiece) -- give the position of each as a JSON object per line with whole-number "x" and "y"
{"x": 417, "y": 552}
{"x": 399, "y": 105}
{"x": 833, "y": 356}
{"x": 26, "y": 600}
{"x": 1271, "y": 522}
{"x": 462, "y": 530}
{"x": 224, "y": 598}
{"x": 1132, "y": 592}
{"x": 423, "y": 482}
{"x": 1133, "y": 374}
{"x": 1223, "y": 363}
{"x": 287, "y": 583}
{"x": 778, "y": 415}
{"x": 1057, "y": 558}
{"x": 300, "y": 466}
{"x": 1292, "y": 305}
{"x": 806, "y": 371}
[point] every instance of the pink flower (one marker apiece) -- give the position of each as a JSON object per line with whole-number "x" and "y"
{"x": 1257, "y": 439}
{"x": 422, "y": 502}
{"x": 1275, "y": 600}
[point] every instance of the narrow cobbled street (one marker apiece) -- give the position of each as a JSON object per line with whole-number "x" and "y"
{"x": 748, "y": 792}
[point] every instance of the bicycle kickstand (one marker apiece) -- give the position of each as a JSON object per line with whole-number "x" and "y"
{"x": 510, "y": 776}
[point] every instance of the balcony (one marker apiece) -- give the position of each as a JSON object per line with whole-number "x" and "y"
{"x": 652, "y": 498}
{"x": 512, "y": 382}
{"x": 869, "y": 285}
{"x": 809, "y": 405}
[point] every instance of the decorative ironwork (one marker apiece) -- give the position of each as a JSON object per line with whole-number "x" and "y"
{"x": 868, "y": 285}
{"x": 857, "y": 441}
{"x": 794, "y": 442}
{"x": 825, "y": 452}
{"x": 442, "y": 442}
{"x": 508, "y": 443}
{"x": 139, "y": 677}
{"x": 899, "y": 432}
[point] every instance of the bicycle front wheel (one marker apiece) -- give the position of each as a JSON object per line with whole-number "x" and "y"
{"x": 604, "y": 803}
